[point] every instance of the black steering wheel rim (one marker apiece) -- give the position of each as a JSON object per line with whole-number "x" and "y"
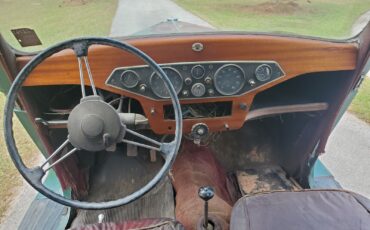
{"x": 33, "y": 176}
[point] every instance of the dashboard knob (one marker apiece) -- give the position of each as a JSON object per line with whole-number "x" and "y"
{"x": 188, "y": 81}
{"x": 211, "y": 92}
{"x": 251, "y": 82}
{"x": 208, "y": 80}
{"x": 142, "y": 88}
{"x": 185, "y": 93}
{"x": 199, "y": 131}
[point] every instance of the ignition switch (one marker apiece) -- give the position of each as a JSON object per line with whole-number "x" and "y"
{"x": 199, "y": 131}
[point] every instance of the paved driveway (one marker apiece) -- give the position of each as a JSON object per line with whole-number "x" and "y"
{"x": 135, "y": 15}
{"x": 348, "y": 154}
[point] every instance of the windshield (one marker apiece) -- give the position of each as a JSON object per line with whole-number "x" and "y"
{"x": 58, "y": 20}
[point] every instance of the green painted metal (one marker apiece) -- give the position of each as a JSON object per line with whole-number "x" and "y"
{"x": 4, "y": 81}
{"x": 321, "y": 178}
{"x": 53, "y": 184}
{"x": 51, "y": 181}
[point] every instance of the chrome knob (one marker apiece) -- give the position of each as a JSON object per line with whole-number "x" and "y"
{"x": 188, "y": 81}
{"x": 142, "y": 88}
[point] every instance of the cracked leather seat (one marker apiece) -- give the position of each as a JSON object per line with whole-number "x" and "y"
{"x": 306, "y": 209}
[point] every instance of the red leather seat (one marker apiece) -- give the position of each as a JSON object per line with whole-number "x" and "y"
{"x": 158, "y": 224}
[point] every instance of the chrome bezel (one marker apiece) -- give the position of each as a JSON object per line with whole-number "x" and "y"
{"x": 137, "y": 77}
{"x": 215, "y": 80}
{"x": 204, "y": 71}
{"x": 260, "y": 66}
{"x": 203, "y": 87}
{"x": 164, "y": 68}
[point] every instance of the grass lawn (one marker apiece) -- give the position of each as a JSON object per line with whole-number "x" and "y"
{"x": 361, "y": 104}
{"x": 56, "y": 20}
{"x": 323, "y": 18}
{"x": 9, "y": 176}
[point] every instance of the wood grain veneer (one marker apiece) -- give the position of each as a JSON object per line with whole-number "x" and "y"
{"x": 296, "y": 56}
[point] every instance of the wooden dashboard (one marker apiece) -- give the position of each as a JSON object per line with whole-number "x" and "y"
{"x": 296, "y": 56}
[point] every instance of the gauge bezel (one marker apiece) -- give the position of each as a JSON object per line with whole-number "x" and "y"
{"x": 130, "y": 71}
{"x": 164, "y": 68}
{"x": 204, "y": 72}
{"x": 203, "y": 87}
{"x": 260, "y": 66}
{"x": 215, "y": 80}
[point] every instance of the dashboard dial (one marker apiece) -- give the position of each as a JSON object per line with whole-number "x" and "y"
{"x": 198, "y": 71}
{"x": 129, "y": 79}
{"x": 198, "y": 89}
{"x": 229, "y": 79}
{"x": 158, "y": 86}
{"x": 263, "y": 72}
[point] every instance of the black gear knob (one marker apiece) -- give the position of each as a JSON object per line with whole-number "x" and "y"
{"x": 206, "y": 193}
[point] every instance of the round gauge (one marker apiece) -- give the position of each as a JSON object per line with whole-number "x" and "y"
{"x": 129, "y": 79}
{"x": 198, "y": 89}
{"x": 198, "y": 71}
{"x": 263, "y": 72}
{"x": 158, "y": 86}
{"x": 229, "y": 79}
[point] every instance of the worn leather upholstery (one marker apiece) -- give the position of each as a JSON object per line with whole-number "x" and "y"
{"x": 195, "y": 167}
{"x": 147, "y": 224}
{"x": 306, "y": 209}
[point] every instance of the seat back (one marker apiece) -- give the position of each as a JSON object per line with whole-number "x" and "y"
{"x": 306, "y": 209}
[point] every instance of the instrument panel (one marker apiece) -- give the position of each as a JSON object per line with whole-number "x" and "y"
{"x": 193, "y": 80}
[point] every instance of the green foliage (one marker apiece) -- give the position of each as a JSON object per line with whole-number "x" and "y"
{"x": 361, "y": 104}
{"x": 321, "y": 18}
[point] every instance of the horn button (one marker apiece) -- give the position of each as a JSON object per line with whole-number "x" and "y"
{"x": 94, "y": 125}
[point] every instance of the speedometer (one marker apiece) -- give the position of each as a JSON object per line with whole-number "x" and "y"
{"x": 229, "y": 79}
{"x": 158, "y": 86}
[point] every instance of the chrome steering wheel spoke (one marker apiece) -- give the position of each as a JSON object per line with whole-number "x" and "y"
{"x": 63, "y": 146}
{"x": 81, "y": 51}
{"x": 164, "y": 148}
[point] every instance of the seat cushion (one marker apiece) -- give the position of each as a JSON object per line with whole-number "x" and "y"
{"x": 306, "y": 209}
{"x": 157, "y": 224}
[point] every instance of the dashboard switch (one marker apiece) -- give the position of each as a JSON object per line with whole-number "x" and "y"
{"x": 142, "y": 88}
{"x": 251, "y": 82}
{"x": 188, "y": 81}
{"x": 243, "y": 106}
{"x": 199, "y": 132}
{"x": 208, "y": 80}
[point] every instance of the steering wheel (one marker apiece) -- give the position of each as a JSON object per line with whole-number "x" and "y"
{"x": 93, "y": 125}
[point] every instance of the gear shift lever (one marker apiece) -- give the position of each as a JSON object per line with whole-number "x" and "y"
{"x": 206, "y": 193}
